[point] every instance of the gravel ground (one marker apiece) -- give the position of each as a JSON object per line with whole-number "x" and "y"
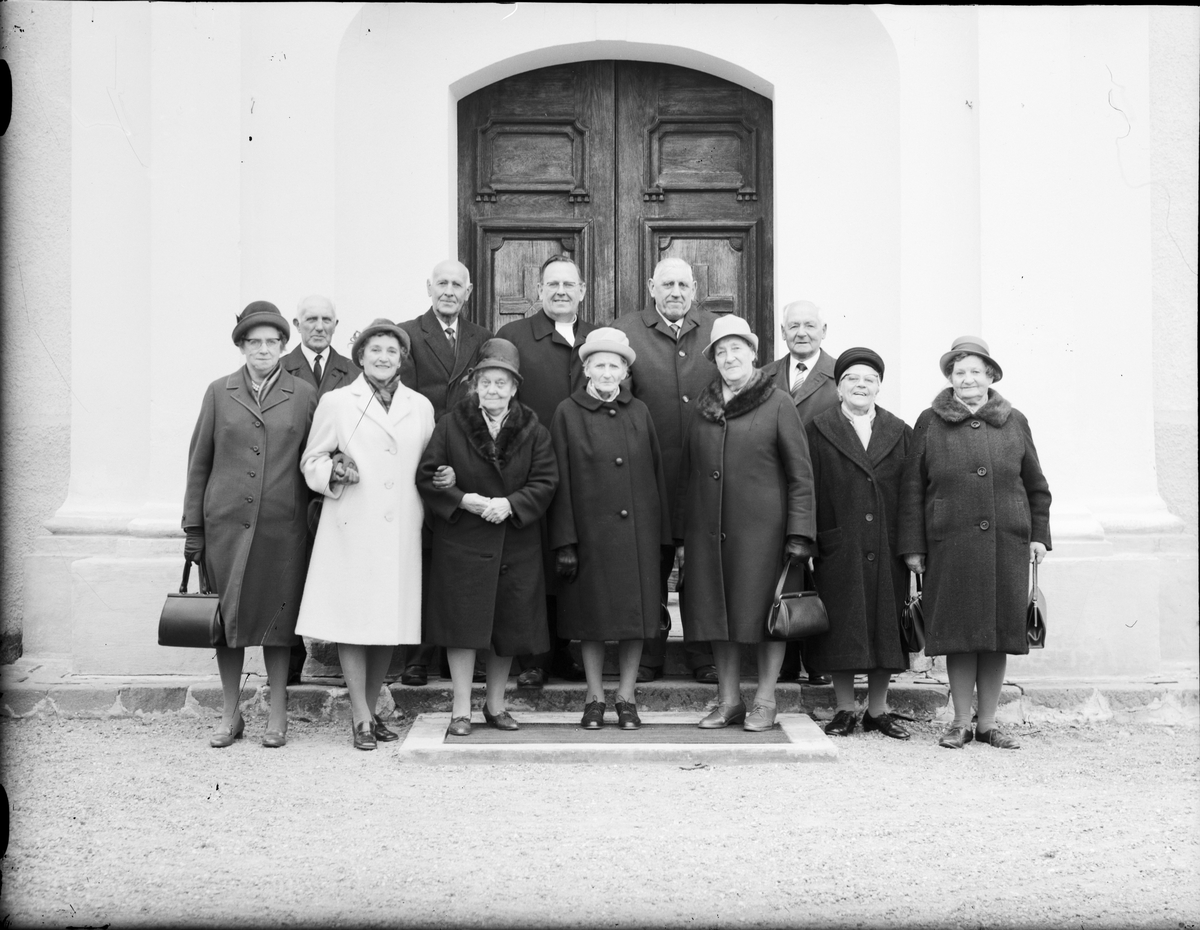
{"x": 131, "y": 823}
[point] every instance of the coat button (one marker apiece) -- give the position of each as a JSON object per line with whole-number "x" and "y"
{"x": 870, "y": 517}
{"x": 620, "y": 461}
{"x": 246, "y": 525}
{"x": 389, "y": 484}
{"x": 388, "y": 516}
{"x": 981, "y": 471}
{"x": 974, "y": 424}
{"x": 682, "y": 354}
{"x": 257, "y": 424}
{"x": 983, "y": 524}
{"x": 870, "y": 556}
{"x": 624, "y": 514}
{"x": 255, "y": 448}
{"x": 722, "y": 537}
{"x": 612, "y": 412}
{"x": 252, "y": 475}
{"x": 686, "y": 399}
{"x": 391, "y": 451}
{"x": 249, "y": 500}
{"x": 716, "y": 475}
{"x": 503, "y": 569}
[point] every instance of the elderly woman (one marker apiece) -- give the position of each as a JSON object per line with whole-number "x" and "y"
{"x": 748, "y": 492}
{"x": 609, "y": 522}
{"x": 974, "y": 512}
{"x": 244, "y": 511}
{"x": 858, "y": 451}
{"x": 488, "y": 588}
{"x": 364, "y": 581}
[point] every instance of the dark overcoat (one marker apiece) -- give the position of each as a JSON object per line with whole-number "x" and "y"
{"x": 746, "y": 486}
{"x": 338, "y": 371}
{"x": 487, "y": 589}
{"x": 859, "y": 573}
{"x": 612, "y": 505}
{"x": 433, "y": 368}
{"x": 668, "y": 377}
{"x": 245, "y": 490}
{"x": 550, "y": 369}
{"x": 817, "y": 394}
{"x": 973, "y": 498}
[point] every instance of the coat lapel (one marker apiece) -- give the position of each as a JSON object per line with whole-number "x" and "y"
{"x": 886, "y": 431}
{"x": 837, "y": 429}
{"x": 435, "y": 338}
{"x": 283, "y": 390}
{"x": 468, "y": 345}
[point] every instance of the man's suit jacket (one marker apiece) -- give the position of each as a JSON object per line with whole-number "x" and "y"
{"x": 432, "y": 367}
{"x": 817, "y": 394}
{"x": 338, "y": 372}
{"x": 550, "y": 369}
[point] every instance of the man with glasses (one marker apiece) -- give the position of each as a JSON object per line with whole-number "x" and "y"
{"x": 548, "y": 342}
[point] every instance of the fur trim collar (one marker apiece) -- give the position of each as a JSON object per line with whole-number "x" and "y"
{"x": 513, "y": 434}
{"x": 994, "y": 413}
{"x": 712, "y": 402}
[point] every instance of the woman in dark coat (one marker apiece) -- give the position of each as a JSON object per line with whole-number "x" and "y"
{"x": 974, "y": 512}
{"x": 858, "y": 451}
{"x": 245, "y": 511}
{"x": 609, "y": 521}
{"x": 747, "y": 486}
{"x": 487, "y": 585}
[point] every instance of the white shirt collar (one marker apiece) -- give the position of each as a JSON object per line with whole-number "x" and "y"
{"x": 671, "y": 323}
{"x": 310, "y": 356}
{"x": 809, "y": 364}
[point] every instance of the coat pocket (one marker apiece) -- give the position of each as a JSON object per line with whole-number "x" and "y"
{"x": 829, "y": 541}
{"x": 940, "y": 519}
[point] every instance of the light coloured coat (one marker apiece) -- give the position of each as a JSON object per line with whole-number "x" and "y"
{"x": 364, "y": 579}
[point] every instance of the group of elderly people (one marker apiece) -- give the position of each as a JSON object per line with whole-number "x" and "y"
{"x": 557, "y": 479}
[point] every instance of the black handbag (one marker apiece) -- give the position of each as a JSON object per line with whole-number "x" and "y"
{"x": 1035, "y": 615}
{"x": 912, "y": 617}
{"x": 797, "y": 611}
{"x": 192, "y": 620}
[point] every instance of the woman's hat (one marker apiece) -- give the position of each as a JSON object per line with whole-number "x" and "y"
{"x": 260, "y": 313}
{"x": 730, "y": 325}
{"x": 859, "y": 355}
{"x": 498, "y": 353}
{"x": 972, "y": 345}
{"x": 380, "y": 326}
{"x": 607, "y": 339}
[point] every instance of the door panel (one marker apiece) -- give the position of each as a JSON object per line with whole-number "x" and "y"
{"x": 619, "y": 164}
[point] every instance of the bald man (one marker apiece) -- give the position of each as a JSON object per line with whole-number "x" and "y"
{"x": 669, "y": 338}
{"x": 316, "y": 361}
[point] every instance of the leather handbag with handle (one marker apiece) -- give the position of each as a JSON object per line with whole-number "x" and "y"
{"x": 912, "y": 617}
{"x": 192, "y": 620}
{"x": 1035, "y": 615}
{"x": 796, "y": 611}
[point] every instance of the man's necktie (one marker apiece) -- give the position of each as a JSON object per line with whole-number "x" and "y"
{"x": 798, "y": 383}
{"x": 318, "y": 371}
{"x": 675, "y": 330}
{"x": 450, "y": 338}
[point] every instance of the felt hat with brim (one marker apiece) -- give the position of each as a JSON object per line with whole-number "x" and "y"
{"x": 260, "y": 313}
{"x": 859, "y": 355}
{"x": 380, "y": 326}
{"x": 607, "y": 339}
{"x": 498, "y": 353}
{"x": 730, "y": 325}
{"x": 971, "y": 345}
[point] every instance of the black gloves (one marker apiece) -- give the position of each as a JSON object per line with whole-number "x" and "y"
{"x": 193, "y": 546}
{"x": 566, "y": 562}
{"x": 799, "y": 548}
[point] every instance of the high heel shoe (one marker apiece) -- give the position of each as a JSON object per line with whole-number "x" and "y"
{"x": 224, "y": 736}
{"x": 274, "y": 739}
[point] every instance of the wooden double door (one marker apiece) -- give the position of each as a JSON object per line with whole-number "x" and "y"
{"x": 618, "y": 164}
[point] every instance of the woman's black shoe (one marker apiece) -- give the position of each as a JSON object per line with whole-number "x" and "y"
{"x": 382, "y": 733}
{"x": 593, "y": 715}
{"x": 627, "y": 715}
{"x": 886, "y": 724}
{"x": 501, "y": 721}
{"x": 842, "y": 724}
{"x": 364, "y": 738}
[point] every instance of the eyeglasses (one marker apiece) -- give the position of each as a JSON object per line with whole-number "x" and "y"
{"x": 259, "y": 343}
{"x": 564, "y": 285}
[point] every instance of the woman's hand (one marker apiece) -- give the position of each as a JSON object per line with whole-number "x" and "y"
{"x": 193, "y": 546}
{"x": 474, "y": 503}
{"x": 566, "y": 562}
{"x": 498, "y": 510}
{"x": 798, "y": 548}
{"x": 915, "y": 563}
{"x": 1037, "y": 552}
{"x": 679, "y": 559}
{"x": 444, "y": 478}
{"x": 344, "y": 469}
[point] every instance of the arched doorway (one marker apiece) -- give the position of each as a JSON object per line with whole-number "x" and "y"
{"x": 619, "y": 163}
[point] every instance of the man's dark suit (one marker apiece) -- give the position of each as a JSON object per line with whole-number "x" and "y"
{"x": 337, "y": 371}
{"x": 438, "y": 372}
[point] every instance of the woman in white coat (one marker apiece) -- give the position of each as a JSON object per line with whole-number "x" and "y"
{"x": 364, "y": 580}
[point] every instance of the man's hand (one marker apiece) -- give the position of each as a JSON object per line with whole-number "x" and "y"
{"x": 915, "y": 563}
{"x": 444, "y": 478}
{"x": 498, "y": 510}
{"x": 344, "y": 469}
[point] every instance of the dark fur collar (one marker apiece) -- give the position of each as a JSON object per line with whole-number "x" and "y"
{"x": 712, "y": 403}
{"x": 513, "y": 434}
{"x": 994, "y": 413}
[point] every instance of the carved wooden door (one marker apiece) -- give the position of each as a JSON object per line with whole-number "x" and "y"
{"x": 619, "y": 164}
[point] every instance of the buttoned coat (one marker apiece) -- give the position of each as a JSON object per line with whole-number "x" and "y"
{"x": 747, "y": 485}
{"x": 612, "y": 505}
{"x": 817, "y": 394}
{"x": 245, "y": 490}
{"x": 973, "y": 498}
{"x": 859, "y": 573}
{"x": 433, "y": 368}
{"x": 337, "y": 372}
{"x": 550, "y": 369}
{"x": 364, "y": 579}
{"x": 487, "y": 586}
{"x": 668, "y": 377}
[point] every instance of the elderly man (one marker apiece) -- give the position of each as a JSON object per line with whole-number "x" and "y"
{"x": 316, "y": 361}
{"x": 445, "y": 346}
{"x": 668, "y": 376}
{"x": 806, "y": 373}
{"x": 548, "y": 342}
